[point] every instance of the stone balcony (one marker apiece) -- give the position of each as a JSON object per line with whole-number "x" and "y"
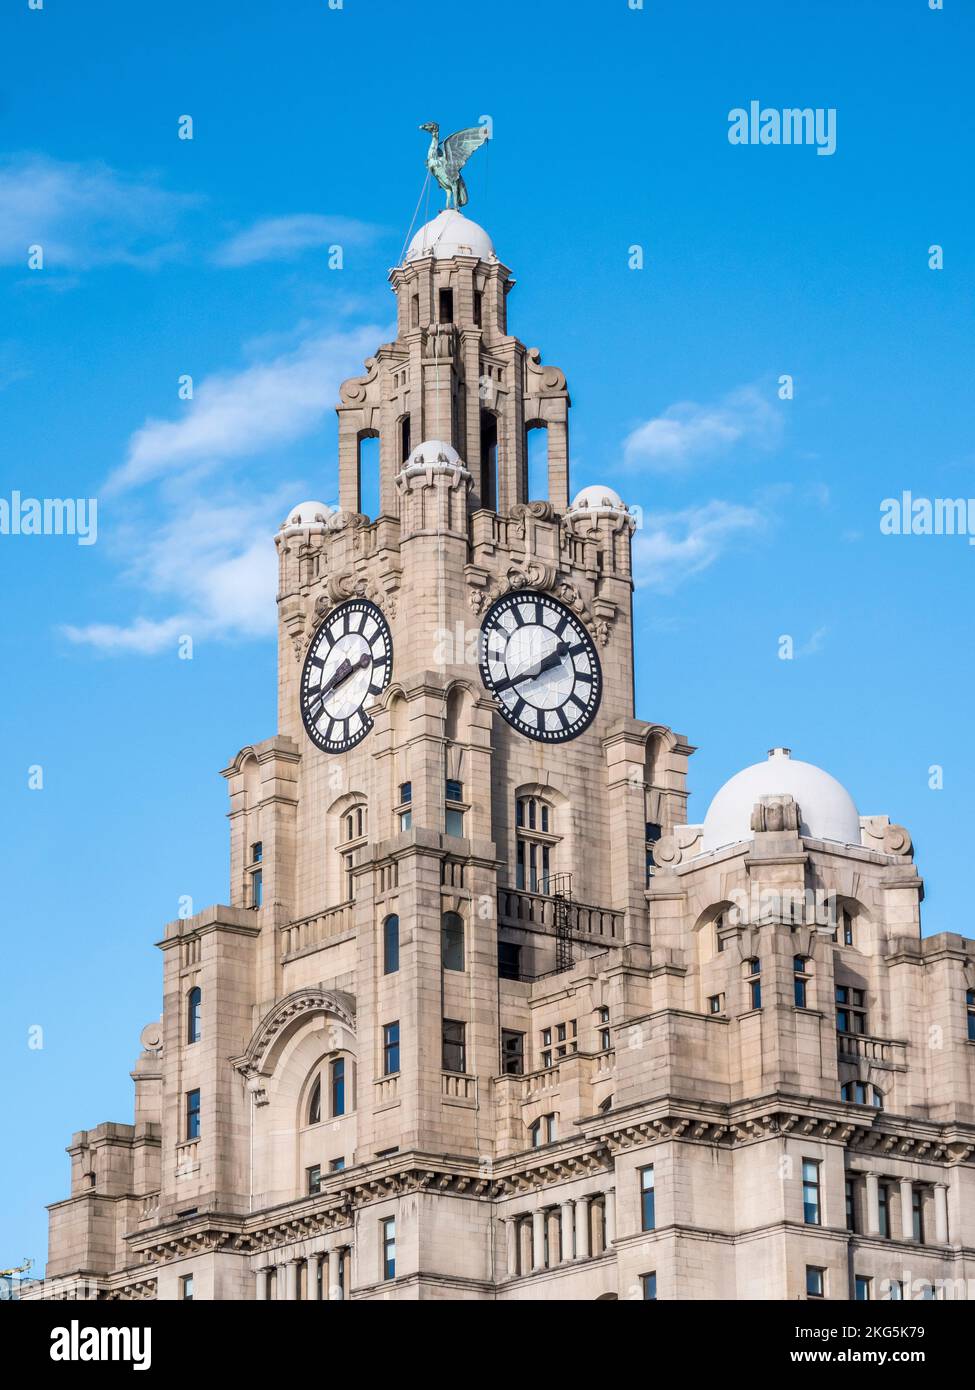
{"x": 879, "y": 1052}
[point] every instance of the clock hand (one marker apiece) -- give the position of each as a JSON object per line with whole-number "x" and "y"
{"x": 554, "y": 658}
{"x": 343, "y": 673}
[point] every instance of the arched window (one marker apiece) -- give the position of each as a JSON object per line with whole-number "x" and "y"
{"x": 535, "y": 842}
{"x": 862, "y": 1093}
{"x": 542, "y": 1131}
{"x": 452, "y": 941}
{"x": 536, "y": 448}
{"x": 315, "y": 1104}
{"x": 194, "y": 1001}
{"x": 368, "y": 474}
{"x": 391, "y": 945}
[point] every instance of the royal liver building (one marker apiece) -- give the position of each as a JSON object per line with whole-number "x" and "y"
{"x": 485, "y": 1018}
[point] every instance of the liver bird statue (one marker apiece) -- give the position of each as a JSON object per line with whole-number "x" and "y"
{"x": 446, "y": 158}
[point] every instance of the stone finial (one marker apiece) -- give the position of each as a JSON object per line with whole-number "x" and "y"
{"x": 773, "y": 813}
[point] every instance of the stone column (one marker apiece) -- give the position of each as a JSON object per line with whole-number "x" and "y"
{"x": 538, "y": 1239}
{"x": 311, "y": 1278}
{"x": 567, "y": 1220}
{"x": 263, "y": 1278}
{"x": 941, "y": 1213}
{"x": 610, "y": 1217}
{"x": 330, "y": 1275}
{"x": 582, "y": 1228}
{"x": 291, "y": 1280}
{"x": 871, "y": 1215}
{"x": 511, "y": 1245}
{"x": 907, "y": 1208}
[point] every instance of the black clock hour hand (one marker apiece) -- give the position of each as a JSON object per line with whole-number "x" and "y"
{"x": 344, "y": 672}
{"x": 554, "y": 658}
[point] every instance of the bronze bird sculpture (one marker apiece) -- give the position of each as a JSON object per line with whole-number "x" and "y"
{"x": 445, "y": 159}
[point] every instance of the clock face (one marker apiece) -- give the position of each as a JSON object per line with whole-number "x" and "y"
{"x": 540, "y": 662}
{"x": 349, "y": 663}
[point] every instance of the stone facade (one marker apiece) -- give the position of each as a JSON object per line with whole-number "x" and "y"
{"x": 627, "y": 1005}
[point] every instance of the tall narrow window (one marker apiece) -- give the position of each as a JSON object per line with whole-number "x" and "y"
{"x": 883, "y": 1209}
{"x": 454, "y": 808}
{"x": 186, "y": 1288}
{"x": 387, "y": 1237}
{"x": 193, "y": 1114}
{"x": 390, "y": 1048}
{"x": 753, "y": 979}
{"x": 653, "y": 833}
{"x": 391, "y": 945}
{"x": 452, "y": 941}
{"x": 489, "y": 460}
{"x": 512, "y": 1052}
{"x": 353, "y": 830}
{"x": 535, "y": 842}
{"x": 861, "y": 1286}
{"x": 602, "y": 1020}
{"x": 369, "y": 475}
{"x": 446, "y": 303}
{"x": 815, "y": 1281}
{"x": 257, "y": 888}
{"x": 970, "y": 1001}
{"x": 509, "y": 960}
{"x": 648, "y": 1203}
{"x": 851, "y": 1210}
{"x": 313, "y": 1180}
{"x": 917, "y": 1211}
{"x": 405, "y": 809}
{"x": 811, "y": 1212}
{"x": 851, "y": 1015}
{"x": 415, "y": 311}
{"x": 404, "y": 438}
{"x": 542, "y": 1131}
{"x": 800, "y": 981}
{"x": 337, "y": 1086}
{"x": 649, "y": 1284}
{"x": 194, "y": 1002}
{"x": 454, "y": 1045}
{"x": 315, "y": 1103}
{"x": 536, "y": 447}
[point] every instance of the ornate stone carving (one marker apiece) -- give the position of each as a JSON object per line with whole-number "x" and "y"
{"x": 540, "y": 511}
{"x": 541, "y": 379}
{"x": 776, "y": 813}
{"x": 884, "y": 838}
{"x": 670, "y": 849}
{"x": 536, "y": 575}
{"x": 353, "y": 391}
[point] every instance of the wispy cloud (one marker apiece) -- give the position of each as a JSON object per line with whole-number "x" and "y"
{"x": 196, "y": 550}
{"x": 285, "y": 238}
{"x": 673, "y": 546}
{"x": 241, "y": 413}
{"x": 86, "y": 215}
{"x": 687, "y": 432}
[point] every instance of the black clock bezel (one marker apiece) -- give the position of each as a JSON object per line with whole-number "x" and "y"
{"x": 334, "y": 746}
{"x": 548, "y": 736}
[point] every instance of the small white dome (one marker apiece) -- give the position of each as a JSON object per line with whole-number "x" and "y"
{"x": 450, "y": 234}
{"x": 596, "y": 498}
{"x": 307, "y": 516}
{"x": 433, "y": 453}
{"x": 825, "y": 806}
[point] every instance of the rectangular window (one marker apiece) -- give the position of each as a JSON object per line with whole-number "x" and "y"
{"x": 338, "y": 1087}
{"x": 348, "y": 876}
{"x": 716, "y": 1004}
{"x": 454, "y": 1045}
{"x": 509, "y": 960}
{"x": 387, "y": 1236}
{"x": 314, "y": 1177}
{"x": 883, "y": 1209}
{"x": 454, "y": 822}
{"x": 649, "y": 1282}
{"x": 257, "y": 852}
{"x": 452, "y": 941}
{"x": 753, "y": 979}
{"x": 648, "y": 1210}
{"x": 454, "y": 790}
{"x": 390, "y": 1048}
{"x": 512, "y": 1053}
{"x": 406, "y": 820}
{"x": 478, "y": 308}
{"x": 970, "y": 1000}
{"x": 851, "y": 1015}
{"x": 391, "y": 945}
{"x": 446, "y": 299}
{"x": 653, "y": 835}
{"x": 257, "y": 888}
{"x": 186, "y": 1288}
{"x": 336, "y": 1165}
{"x": 851, "y": 1211}
{"x": 800, "y": 981}
{"x": 810, "y": 1192}
{"x": 605, "y": 1035}
{"x": 861, "y": 1286}
{"x": 815, "y": 1282}
{"x": 405, "y": 793}
{"x": 192, "y": 1114}
{"x": 917, "y": 1209}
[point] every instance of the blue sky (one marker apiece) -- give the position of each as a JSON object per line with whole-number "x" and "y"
{"x": 165, "y": 257}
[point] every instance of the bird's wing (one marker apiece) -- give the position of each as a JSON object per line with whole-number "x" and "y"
{"x": 458, "y": 148}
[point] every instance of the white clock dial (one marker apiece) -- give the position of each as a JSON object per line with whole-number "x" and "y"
{"x": 540, "y": 662}
{"x": 349, "y": 663}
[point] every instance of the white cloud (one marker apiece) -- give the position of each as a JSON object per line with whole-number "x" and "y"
{"x": 237, "y": 414}
{"x": 85, "y": 215}
{"x": 688, "y": 432}
{"x": 284, "y": 238}
{"x": 673, "y": 546}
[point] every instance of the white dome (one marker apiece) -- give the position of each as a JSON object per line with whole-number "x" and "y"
{"x": 450, "y": 234}
{"x": 307, "y": 516}
{"x": 596, "y": 498}
{"x": 826, "y": 807}
{"x": 433, "y": 453}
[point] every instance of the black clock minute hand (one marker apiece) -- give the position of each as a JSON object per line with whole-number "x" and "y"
{"x": 344, "y": 672}
{"x": 554, "y": 658}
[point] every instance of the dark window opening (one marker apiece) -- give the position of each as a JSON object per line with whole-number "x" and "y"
{"x": 478, "y": 308}
{"x": 489, "y": 461}
{"x": 369, "y": 474}
{"x": 404, "y": 438}
{"x": 509, "y": 960}
{"x": 446, "y": 299}
{"x": 454, "y": 1045}
{"x": 512, "y": 1052}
